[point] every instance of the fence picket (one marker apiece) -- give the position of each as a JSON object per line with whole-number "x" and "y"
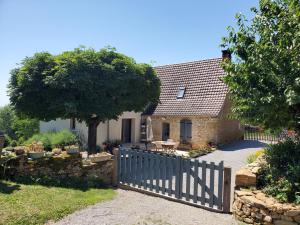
{"x": 122, "y": 167}
{"x": 133, "y": 167}
{"x": 170, "y": 170}
{"x": 151, "y": 164}
{"x": 146, "y": 170}
{"x": 211, "y": 184}
{"x": 164, "y": 175}
{"x": 220, "y": 184}
{"x": 178, "y": 178}
{"x": 157, "y": 172}
{"x": 203, "y": 183}
{"x": 139, "y": 169}
{"x": 196, "y": 169}
{"x": 188, "y": 177}
{"x": 126, "y": 166}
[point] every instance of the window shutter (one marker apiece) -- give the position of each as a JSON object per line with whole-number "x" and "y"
{"x": 189, "y": 129}
{"x": 182, "y": 130}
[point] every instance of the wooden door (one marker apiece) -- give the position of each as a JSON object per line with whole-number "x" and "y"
{"x": 126, "y": 130}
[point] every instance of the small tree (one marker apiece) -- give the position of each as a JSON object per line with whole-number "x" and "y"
{"x": 92, "y": 86}
{"x": 264, "y": 75}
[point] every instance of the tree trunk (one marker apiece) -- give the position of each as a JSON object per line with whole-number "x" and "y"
{"x": 92, "y": 136}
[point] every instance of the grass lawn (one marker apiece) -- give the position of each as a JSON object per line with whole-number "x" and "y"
{"x": 36, "y": 204}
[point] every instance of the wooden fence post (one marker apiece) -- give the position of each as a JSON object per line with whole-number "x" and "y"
{"x": 115, "y": 178}
{"x": 227, "y": 189}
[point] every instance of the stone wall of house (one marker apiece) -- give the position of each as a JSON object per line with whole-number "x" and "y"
{"x": 254, "y": 207}
{"x": 60, "y": 167}
{"x": 204, "y": 129}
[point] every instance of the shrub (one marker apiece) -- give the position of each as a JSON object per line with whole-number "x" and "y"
{"x": 42, "y": 137}
{"x": 199, "y": 152}
{"x": 252, "y": 157}
{"x": 54, "y": 139}
{"x": 109, "y": 145}
{"x": 281, "y": 177}
{"x": 13, "y": 143}
{"x": 62, "y": 138}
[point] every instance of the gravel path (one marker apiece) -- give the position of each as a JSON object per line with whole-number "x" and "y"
{"x": 132, "y": 208}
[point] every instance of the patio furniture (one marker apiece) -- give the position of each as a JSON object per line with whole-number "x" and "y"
{"x": 158, "y": 145}
{"x": 168, "y": 147}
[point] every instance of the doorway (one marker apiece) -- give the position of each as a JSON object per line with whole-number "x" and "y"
{"x": 126, "y": 130}
{"x": 165, "y": 131}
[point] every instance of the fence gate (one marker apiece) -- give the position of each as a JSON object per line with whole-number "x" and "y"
{"x": 193, "y": 182}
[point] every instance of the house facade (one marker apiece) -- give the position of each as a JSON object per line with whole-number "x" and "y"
{"x": 125, "y": 129}
{"x": 193, "y": 109}
{"x": 194, "y": 104}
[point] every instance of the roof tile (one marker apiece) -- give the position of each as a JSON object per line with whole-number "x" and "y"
{"x": 205, "y": 92}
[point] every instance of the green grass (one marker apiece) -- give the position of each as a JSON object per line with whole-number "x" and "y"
{"x": 36, "y": 204}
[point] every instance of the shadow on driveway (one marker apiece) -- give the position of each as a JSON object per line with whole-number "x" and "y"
{"x": 242, "y": 145}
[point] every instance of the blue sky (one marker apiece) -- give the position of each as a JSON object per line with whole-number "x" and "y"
{"x": 163, "y": 31}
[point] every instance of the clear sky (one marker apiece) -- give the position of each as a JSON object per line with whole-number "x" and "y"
{"x": 163, "y": 31}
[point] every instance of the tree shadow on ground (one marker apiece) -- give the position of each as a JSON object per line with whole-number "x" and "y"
{"x": 6, "y": 188}
{"x": 69, "y": 183}
{"x": 242, "y": 145}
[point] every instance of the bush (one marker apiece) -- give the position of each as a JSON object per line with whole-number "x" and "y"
{"x": 281, "y": 177}
{"x": 54, "y": 139}
{"x": 252, "y": 157}
{"x": 110, "y": 145}
{"x": 200, "y": 152}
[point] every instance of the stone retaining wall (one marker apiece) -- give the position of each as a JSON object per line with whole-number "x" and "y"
{"x": 254, "y": 207}
{"x": 60, "y": 167}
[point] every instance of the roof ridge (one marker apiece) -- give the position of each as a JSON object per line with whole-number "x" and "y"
{"x": 189, "y": 62}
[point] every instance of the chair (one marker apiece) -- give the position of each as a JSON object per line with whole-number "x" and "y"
{"x": 157, "y": 145}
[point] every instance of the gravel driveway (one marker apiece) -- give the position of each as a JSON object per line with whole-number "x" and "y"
{"x": 132, "y": 208}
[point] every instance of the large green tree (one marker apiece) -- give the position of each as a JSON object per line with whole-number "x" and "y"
{"x": 92, "y": 86}
{"x": 264, "y": 73}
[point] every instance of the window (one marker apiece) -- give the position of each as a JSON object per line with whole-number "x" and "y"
{"x": 181, "y": 92}
{"x": 72, "y": 123}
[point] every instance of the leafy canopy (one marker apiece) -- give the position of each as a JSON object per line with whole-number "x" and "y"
{"x": 84, "y": 83}
{"x": 15, "y": 127}
{"x": 264, "y": 75}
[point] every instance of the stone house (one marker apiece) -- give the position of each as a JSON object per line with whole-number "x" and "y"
{"x": 193, "y": 109}
{"x": 194, "y": 104}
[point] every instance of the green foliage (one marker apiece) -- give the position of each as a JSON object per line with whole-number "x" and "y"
{"x": 110, "y": 145}
{"x": 263, "y": 77}
{"x": 54, "y": 139}
{"x": 194, "y": 153}
{"x": 17, "y": 129}
{"x": 6, "y": 120}
{"x": 252, "y": 157}
{"x": 281, "y": 178}
{"x": 89, "y": 85}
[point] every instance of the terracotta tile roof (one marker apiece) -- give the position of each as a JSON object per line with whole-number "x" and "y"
{"x": 205, "y": 92}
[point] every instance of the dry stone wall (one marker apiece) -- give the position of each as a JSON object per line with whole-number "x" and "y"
{"x": 254, "y": 207}
{"x": 60, "y": 167}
